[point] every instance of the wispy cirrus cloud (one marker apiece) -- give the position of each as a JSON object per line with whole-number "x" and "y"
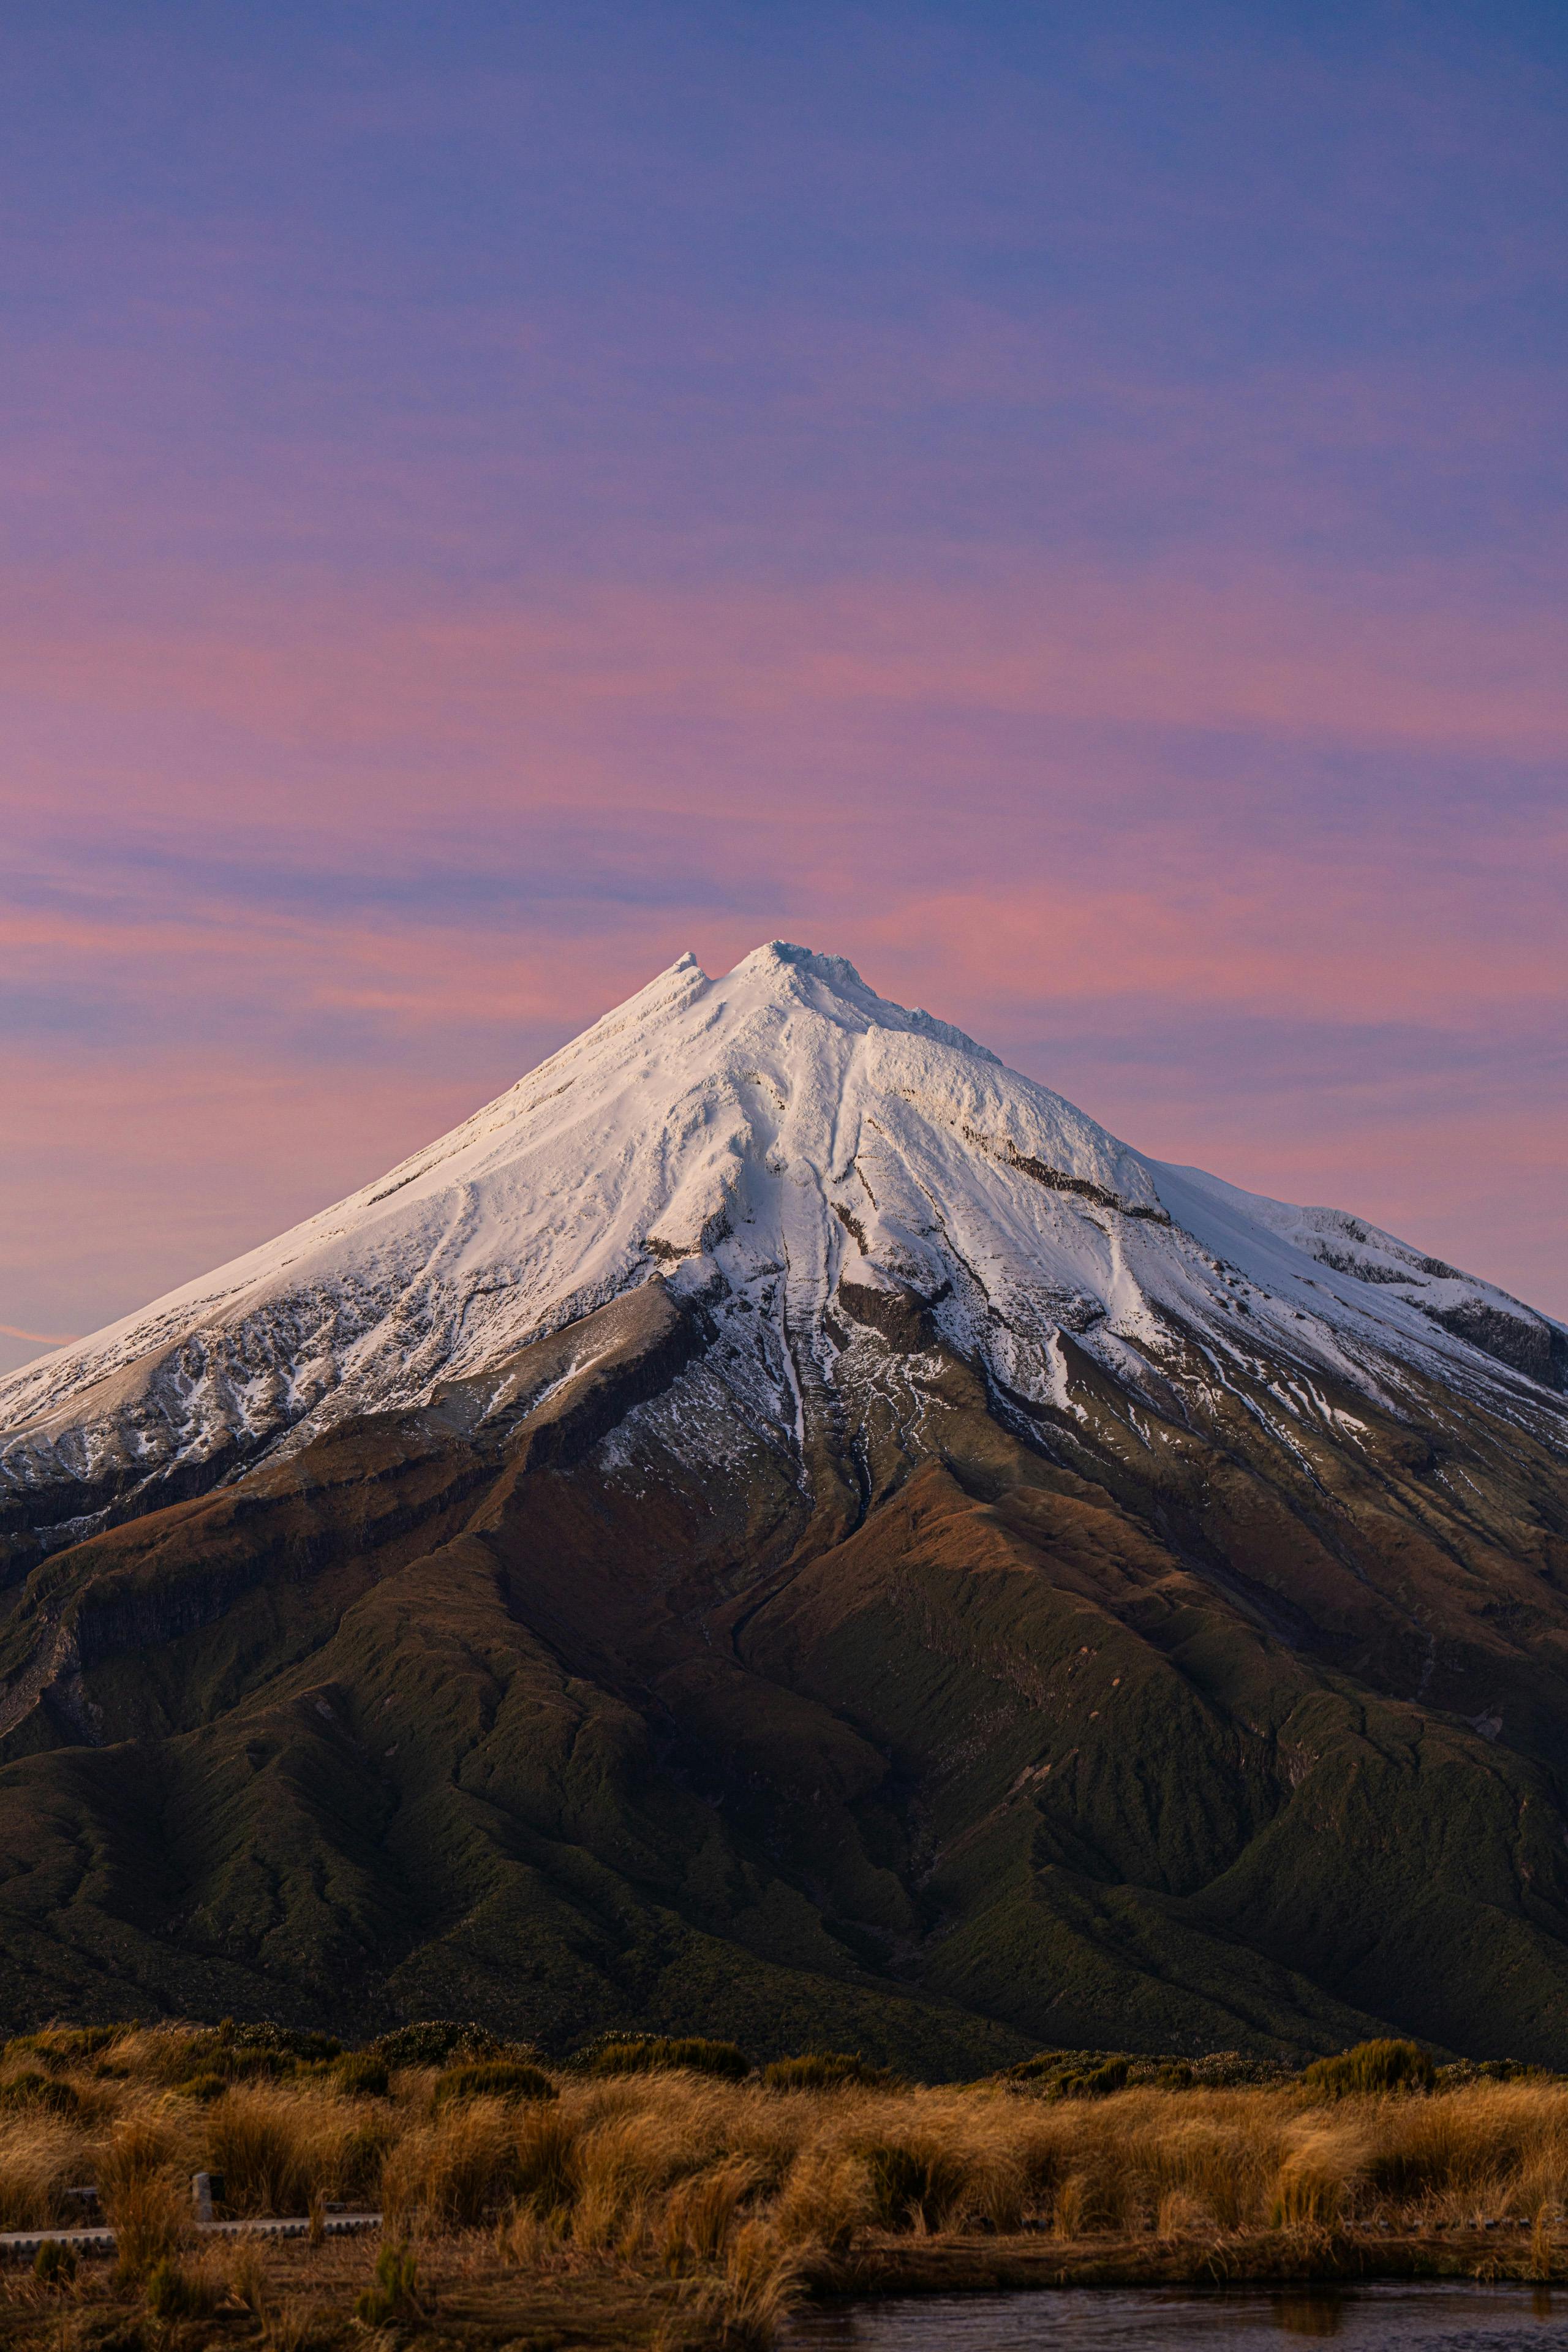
{"x": 1365, "y": 662}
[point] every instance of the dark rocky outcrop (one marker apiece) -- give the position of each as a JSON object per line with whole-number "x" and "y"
{"x": 1526, "y": 1342}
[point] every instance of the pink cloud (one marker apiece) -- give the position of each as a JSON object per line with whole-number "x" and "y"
{"x": 1398, "y": 665}
{"x": 1277, "y": 934}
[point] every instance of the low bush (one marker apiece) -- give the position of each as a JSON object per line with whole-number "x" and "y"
{"x": 36, "y": 2090}
{"x": 1094, "y": 2082}
{"x": 1464, "y": 2072}
{"x": 1372, "y": 2067}
{"x": 492, "y": 2078}
{"x": 66, "y": 2046}
{"x": 204, "y": 2088}
{"x": 361, "y": 2074}
{"x": 199, "y": 2057}
{"x": 648, "y": 2053}
{"x": 1072, "y": 2074}
{"x": 826, "y": 2070}
{"x": 290, "y": 2041}
{"x": 1220, "y": 2070}
{"x": 439, "y": 2041}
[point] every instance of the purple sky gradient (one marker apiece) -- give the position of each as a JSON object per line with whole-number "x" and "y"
{"x": 1066, "y": 508}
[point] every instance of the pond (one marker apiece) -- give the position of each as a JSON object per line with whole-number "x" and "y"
{"x": 1392, "y": 2316}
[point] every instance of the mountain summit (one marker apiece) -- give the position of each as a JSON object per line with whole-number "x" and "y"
{"x": 780, "y": 1522}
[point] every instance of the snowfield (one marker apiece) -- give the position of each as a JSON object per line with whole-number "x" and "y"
{"x": 755, "y": 1142}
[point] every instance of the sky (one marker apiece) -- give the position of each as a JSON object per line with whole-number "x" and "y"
{"x": 1062, "y": 505}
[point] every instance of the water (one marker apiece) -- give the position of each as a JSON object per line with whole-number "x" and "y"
{"x": 1390, "y": 2316}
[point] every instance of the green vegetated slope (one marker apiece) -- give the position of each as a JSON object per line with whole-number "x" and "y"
{"x": 1083, "y": 1730}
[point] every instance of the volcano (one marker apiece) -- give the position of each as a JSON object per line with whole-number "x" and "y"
{"x": 781, "y": 1524}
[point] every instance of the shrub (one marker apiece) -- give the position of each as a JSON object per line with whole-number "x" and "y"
{"x": 360, "y": 2155}
{"x": 54, "y": 2264}
{"x": 492, "y": 2078}
{"x": 1232, "y": 2070}
{"x": 197, "y": 2057}
{"x": 36, "y": 2090}
{"x": 828, "y": 2069}
{"x": 66, "y": 2046}
{"x": 292, "y": 2042}
{"x": 280, "y": 2042}
{"x": 240, "y": 2054}
{"x": 204, "y": 2088}
{"x": 1072, "y": 2074}
{"x": 262, "y": 2065}
{"x": 362, "y": 2075}
{"x": 440, "y": 2042}
{"x": 1095, "y": 2082}
{"x": 1372, "y": 2067}
{"x": 647, "y": 2053}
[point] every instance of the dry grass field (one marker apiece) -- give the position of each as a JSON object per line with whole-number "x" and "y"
{"x": 653, "y": 2203}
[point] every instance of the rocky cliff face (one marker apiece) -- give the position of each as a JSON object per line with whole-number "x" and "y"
{"x": 780, "y": 1521}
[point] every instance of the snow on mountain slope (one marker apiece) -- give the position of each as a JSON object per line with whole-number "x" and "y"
{"x": 754, "y": 1142}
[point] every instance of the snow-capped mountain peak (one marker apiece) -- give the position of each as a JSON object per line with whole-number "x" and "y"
{"x": 765, "y": 1144}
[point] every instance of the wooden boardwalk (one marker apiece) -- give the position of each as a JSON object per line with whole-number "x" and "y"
{"x": 21, "y": 2245}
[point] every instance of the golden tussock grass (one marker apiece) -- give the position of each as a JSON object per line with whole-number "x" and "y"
{"x": 40, "y": 2157}
{"x": 278, "y": 2147}
{"x": 672, "y": 2161}
{"x": 153, "y": 2219}
{"x": 735, "y": 2194}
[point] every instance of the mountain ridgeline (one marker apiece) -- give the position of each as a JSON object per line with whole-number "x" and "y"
{"x": 781, "y": 1527}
